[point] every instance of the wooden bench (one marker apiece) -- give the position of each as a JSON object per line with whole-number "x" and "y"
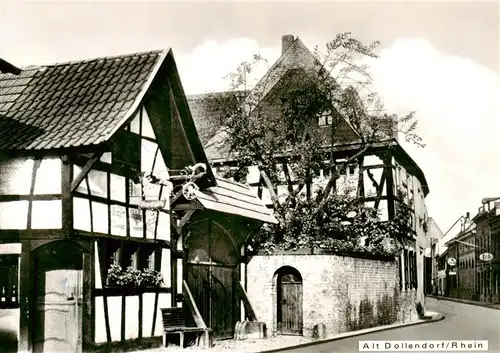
{"x": 174, "y": 322}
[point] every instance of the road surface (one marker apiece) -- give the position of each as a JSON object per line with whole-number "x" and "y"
{"x": 462, "y": 322}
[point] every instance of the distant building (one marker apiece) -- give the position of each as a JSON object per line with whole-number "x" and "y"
{"x": 451, "y": 270}
{"x": 488, "y": 241}
{"x": 435, "y": 235}
{"x": 466, "y": 263}
{"x": 476, "y": 250}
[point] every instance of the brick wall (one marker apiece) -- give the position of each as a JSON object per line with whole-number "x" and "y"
{"x": 343, "y": 293}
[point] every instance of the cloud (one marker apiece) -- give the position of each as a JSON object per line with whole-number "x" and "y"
{"x": 457, "y": 106}
{"x": 206, "y": 67}
{"x": 456, "y": 100}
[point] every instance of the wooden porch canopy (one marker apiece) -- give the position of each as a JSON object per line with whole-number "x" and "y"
{"x": 236, "y": 199}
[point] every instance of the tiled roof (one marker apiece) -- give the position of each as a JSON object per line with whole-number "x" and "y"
{"x": 214, "y": 138}
{"x": 206, "y": 118}
{"x": 204, "y": 122}
{"x": 235, "y": 198}
{"x": 72, "y": 104}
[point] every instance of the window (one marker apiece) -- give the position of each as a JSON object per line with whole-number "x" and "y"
{"x": 9, "y": 266}
{"x": 325, "y": 119}
{"x": 128, "y": 254}
{"x": 410, "y": 270}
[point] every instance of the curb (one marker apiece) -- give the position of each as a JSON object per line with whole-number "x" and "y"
{"x": 464, "y": 301}
{"x": 354, "y": 334}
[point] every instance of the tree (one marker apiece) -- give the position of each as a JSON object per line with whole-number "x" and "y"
{"x": 291, "y": 126}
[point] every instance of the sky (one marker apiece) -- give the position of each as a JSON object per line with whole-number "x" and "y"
{"x": 440, "y": 59}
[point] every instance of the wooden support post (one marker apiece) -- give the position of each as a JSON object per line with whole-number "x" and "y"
{"x": 181, "y": 339}
{"x": 88, "y": 311}
{"x": 66, "y": 199}
{"x": 192, "y": 306}
{"x": 25, "y": 294}
{"x": 182, "y": 222}
{"x": 244, "y": 297}
{"x": 387, "y": 158}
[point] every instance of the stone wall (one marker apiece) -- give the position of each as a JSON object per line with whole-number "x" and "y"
{"x": 343, "y": 293}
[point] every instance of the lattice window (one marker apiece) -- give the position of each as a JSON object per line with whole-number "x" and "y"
{"x": 128, "y": 253}
{"x": 9, "y": 283}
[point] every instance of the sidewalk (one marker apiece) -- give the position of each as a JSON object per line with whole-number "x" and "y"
{"x": 465, "y": 301}
{"x": 278, "y": 343}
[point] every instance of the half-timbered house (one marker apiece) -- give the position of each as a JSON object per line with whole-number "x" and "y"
{"x": 385, "y": 176}
{"x": 109, "y": 210}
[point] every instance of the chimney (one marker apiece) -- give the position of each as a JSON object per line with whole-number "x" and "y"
{"x": 286, "y": 42}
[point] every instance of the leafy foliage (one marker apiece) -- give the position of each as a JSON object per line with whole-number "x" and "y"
{"x": 343, "y": 225}
{"x": 276, "y": 126}
{"x": 131, "y": 277}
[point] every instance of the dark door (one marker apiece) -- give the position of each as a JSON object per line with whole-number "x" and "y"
{"x": 213, "y": 289}
{"x": 289, "y": 302}
{"x": 212, "y": 274}
{"x": 58, "y": 288}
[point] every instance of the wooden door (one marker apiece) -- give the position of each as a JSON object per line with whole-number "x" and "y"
{"x": 58, "y": 288}
{"x": 212, "y": 272}
{"x": 289, "y": 302}
{"x": 214, "y": 292}
{"x": 224, "y": 301}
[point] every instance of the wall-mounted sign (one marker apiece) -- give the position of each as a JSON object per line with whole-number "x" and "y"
{"x": 452, "y": 261}
{"x": 152, "y": 204}
{"x": 486, "y": 256}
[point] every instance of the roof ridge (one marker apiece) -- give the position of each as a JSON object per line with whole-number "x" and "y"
{"x": 207, "y": 94}
{"x": 81, "y": 61}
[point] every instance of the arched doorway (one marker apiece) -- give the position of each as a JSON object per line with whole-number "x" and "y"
{"x": 58, "y": 283}
{"x": 289, "y": 301}
{"x": 212, "y": 274}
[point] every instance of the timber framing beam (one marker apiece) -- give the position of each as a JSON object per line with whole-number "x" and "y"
{"x": 85, "y": 170}
{"x": 182, "y": 222}
{"x": 250, "y": 313}
{"x": 192, "y": 306}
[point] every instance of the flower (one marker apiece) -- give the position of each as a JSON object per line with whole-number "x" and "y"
{"x": 131, "y": 277}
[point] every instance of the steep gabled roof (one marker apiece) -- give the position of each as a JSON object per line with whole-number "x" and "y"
{"x": 297, "y": 56}
{"x": 73, "y": 104}
{"x": 206, "y": 118}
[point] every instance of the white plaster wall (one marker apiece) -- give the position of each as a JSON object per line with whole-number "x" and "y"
{"x": 48, "y": 177}
{"x": 132, "y": 316}
{"x": 9, "y": 324}
{"x": 100, "y": 323}
{"x": 81, "y": 214}
{"x": 148, "y": 300}
{"x": 14, "y": 215}
{"x": 46, "y": 215}
{"x": 15, "y": 176}
{"x": 115, "y": 316}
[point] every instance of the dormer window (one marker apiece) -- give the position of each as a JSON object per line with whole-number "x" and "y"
{"x": 325, "y": 119}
